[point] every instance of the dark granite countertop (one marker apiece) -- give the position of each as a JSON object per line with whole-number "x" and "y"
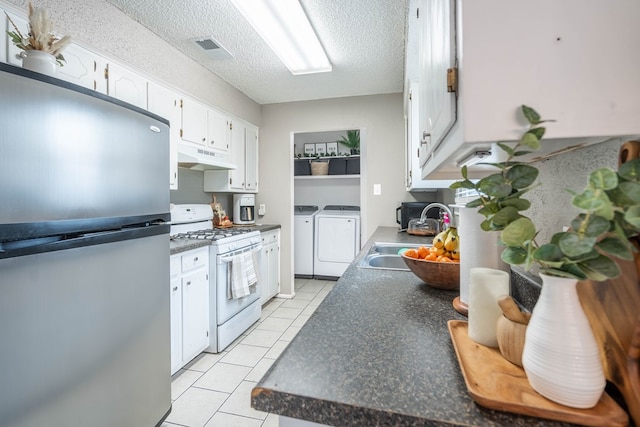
{"x": 377, "y": 352}
{"x": 181, "y": 245}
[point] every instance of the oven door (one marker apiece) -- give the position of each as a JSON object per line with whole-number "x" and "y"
{"x": 227, "y": 308}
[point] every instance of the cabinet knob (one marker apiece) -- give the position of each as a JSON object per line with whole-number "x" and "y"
{"x": 189, "y": 283}
{"x": 175, "y": 288}
{"x": 204, "y": 139}
{"x": 195, "y": 259}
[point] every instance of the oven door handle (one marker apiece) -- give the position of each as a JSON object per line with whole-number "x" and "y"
{"x": 228, "y": 258}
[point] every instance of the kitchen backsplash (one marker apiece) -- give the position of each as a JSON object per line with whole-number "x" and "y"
{"x": 190, "y": 191}
{"x": 551, "y": 207}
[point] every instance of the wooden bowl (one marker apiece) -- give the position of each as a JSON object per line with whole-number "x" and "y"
{"x": 440, "y": 275}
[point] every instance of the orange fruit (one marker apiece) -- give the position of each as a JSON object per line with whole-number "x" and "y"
{"x": 431, "y": 257}
{"x": 423, "y": 252}
{"x": 411, "y": 253}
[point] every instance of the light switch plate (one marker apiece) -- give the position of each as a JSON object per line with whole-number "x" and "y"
{"x": 377, "y": 189}
{"x": 262, "y": 209}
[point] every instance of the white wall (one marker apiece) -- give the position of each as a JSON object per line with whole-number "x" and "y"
{"x": 380, "y": 119}
{"x": 101, "y": 27}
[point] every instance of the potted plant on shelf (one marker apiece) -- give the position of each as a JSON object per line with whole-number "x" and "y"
{"x": 352, "y": 142}
{"x": 42, "y": 48}
{"x": 561, "y": 357}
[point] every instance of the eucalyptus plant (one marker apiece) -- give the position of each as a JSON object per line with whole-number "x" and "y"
{"x": 610, "y": 213}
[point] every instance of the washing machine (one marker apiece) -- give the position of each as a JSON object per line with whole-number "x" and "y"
{"x": 337, "y": 240}
{"x": 303, "y": 227}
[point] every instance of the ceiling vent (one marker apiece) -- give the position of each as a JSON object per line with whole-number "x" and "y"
{"x": 212, "y": 48}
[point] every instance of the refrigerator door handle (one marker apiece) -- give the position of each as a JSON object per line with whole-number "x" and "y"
{"x": 69, "y": 241}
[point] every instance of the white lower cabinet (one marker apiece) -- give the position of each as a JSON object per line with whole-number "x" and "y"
{"x": 189, "y": 306}
{"x": 270, "y": 265}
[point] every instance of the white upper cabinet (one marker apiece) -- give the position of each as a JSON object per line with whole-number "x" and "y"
{"x": 194, "y": 122}
{"x": 218, "y": 130}
{"x": 251, "y": 158}
{"x": 415, "y": 147}
{"x": 126, "y": 85}
{"x": 166, "y": 103}
{"x": 438, "y": 62}
{"x": 81, "y": 67}
{"x": 572, "y": 61}
{"x": 4, "y": 40}
{"x": 13, "y": 53}
{"x": 244, "y": 154}
{"x": 237, "y": 176}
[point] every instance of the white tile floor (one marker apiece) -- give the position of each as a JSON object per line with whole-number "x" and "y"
{"x": 214, "y": 389}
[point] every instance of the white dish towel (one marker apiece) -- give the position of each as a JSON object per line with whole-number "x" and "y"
{"x": 243, "y": 276}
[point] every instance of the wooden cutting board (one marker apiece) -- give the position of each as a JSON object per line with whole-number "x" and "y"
{"x": 613, "y": 309}
{"x": 495, "y": 383}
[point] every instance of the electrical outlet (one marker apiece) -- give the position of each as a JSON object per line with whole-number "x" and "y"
{"x": 377, "y": 189}
{"x": 262, "y": 209}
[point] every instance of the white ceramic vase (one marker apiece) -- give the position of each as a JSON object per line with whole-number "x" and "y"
{"x": 561, "y": 356}
{"x": 40, "y": 62}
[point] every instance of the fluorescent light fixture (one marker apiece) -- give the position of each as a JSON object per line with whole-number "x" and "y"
{"x": 473, "y": 158}
{"x": 286, "y": 29}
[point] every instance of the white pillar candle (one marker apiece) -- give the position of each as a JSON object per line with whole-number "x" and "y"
{"x": 478, "y": 248}
{"x": 486, "y": 285}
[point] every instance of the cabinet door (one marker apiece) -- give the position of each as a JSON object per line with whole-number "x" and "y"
{"x": 438, "y": 109}
{"x": 4, "y": 37}
{"x": 176, "y": 324}
{"x": 126, "y": 85}
{"x": 274, "y": 269}
{"x": 195, "y": 313}
{"x": 194, "y": 121}
{"x": 236, "y": 176}
{"x": 251, "y": 158}
{"x": 13, "y": 53}
{"x": 79, "y": 67}
{"x": 218, "y": 131}
{"x": 264, "y": 271}
{"x": 165, "y": 103}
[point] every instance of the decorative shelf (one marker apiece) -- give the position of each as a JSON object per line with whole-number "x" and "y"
{"x": 303, "y": 177}
{"x": 338, "y": 166}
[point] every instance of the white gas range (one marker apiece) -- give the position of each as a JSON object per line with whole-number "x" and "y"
{"x": 228, "y": 318}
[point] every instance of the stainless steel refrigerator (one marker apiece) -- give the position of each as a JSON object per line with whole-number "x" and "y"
{"x": 84, "y": 257}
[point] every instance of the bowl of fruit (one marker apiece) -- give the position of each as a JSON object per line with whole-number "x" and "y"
{"x": 437, "y": 265}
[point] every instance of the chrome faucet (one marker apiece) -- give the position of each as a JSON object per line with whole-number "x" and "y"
{"x": 423, "y": 216}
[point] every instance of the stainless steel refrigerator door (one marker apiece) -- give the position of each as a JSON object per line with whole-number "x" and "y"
{"x": 67, "y": 153}
{"x": 85, "y": 336}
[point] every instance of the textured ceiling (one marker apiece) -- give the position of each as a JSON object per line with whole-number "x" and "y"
{"x": 364, "y": 39}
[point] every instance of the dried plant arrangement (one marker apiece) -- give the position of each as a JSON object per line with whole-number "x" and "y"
{"x": 41, "y": 35}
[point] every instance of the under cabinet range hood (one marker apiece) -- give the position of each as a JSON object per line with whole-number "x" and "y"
{"x": 200, "y": 158}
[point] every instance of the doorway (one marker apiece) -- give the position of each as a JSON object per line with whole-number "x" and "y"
{"x": 340, "y": 183}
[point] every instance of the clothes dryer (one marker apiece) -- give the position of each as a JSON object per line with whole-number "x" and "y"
{"x": 337, "y": 240}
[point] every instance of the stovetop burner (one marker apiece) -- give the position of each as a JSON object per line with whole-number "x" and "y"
{"x": 213, "y": 234}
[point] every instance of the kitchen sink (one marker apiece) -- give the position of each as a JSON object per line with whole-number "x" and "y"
{"x": 385, "y": 262}
{"x": 385, "y": 256}
{"x": 390, "y": 248}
